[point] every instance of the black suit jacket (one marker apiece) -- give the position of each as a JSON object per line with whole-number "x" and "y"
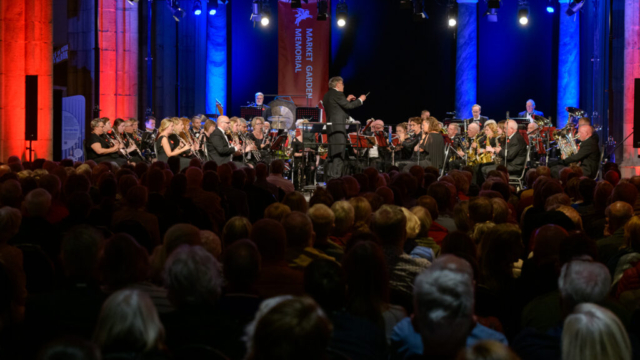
{"x": 588, "y": 155}
{"x": 483, "y": 119}
{"x": 336, "y": 106}
{"x": 535, "y": 112}
{"x": 218, "y": 147}
{"x": 516, "y": 151}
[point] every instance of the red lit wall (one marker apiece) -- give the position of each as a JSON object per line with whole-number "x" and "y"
{"x": 118, "y": 42}
{"x": 26, "y": 48}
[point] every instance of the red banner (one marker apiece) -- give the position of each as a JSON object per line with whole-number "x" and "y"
{"x": 303, "y": 52}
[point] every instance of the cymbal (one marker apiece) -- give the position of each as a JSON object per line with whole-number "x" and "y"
{"x": 277, "y": 118}
{"x": 575, "y": 111}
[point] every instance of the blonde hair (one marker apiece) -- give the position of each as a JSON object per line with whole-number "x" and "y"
{"x": 255, "y": 120}
{"x": 424, "y": 216}
{"x": 95, "y": 122}
{"x": 128, "y": 318}
{"x": 632, "y": 233}
{"x": 413, "y": 224}
{"x": 208, "y": 124}
{"x": 487, "y": 349}
{"x": 166, "y": 122}
{"x": 493, "y": 127}
{"x": 593, "y": 332}
{"x": 361, "y": 209}
{"x": 402, "y": 125}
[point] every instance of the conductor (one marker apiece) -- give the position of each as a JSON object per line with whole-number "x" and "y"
{"x": 336, "y": 104}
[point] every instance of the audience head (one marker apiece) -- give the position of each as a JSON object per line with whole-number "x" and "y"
{"x": 626, "y": 192}
{"x": 10, "y": 220}
{"x": 389, "y": 224}
{"x": 37, "y": 203}
{"x": 295, "y": 328}
{"x": 344, "y": 217}
{"x": 270, "y": 238}
{"x": 123, "y": 262}
{"x": 70, "y": 348}
{"x": 618, "y": 214}
{"x": 499, "y": 249}
{"x": 296, "y": 202}
{"x": 276, "y": 211}
{"x": 583, "y": 281}
{"x": 592, "y": 332}
{"x": 324, "y": 281}
{"x": 238, "y": 227}
{"x": 632, "y": 234}
{"x": 181, "y": 234}
{"x": 323, "y": 221}
{"x": 79, "y": 253}
{"x": 241, "y": 265}
{"x": 128, "y": 323}
{"x": 442, "y": 195}
{"x": 299, "y": 230}
{"x": 444, "y": 305}
{"x": 192, "y": 277}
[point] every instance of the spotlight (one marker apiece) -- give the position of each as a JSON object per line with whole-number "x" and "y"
{"x": 176, "y": 11}
{"x": 197, "y": 8}
{"x": 323, "y": 10}
{"x": 260, "y": 12}
{"x": 405, "y": 4}
{"x": 213, "y": 7}
{"x": 452, "y": 13}
{"x": 574, "y": 7}
{"x": 523, "y": 12}
{"x": 419, "y": 14}
{"x": 341, "y": 13}
{"x": 492, "y": 10}
{"x": 550, "y": 9}
{"x": 131, "y": 2}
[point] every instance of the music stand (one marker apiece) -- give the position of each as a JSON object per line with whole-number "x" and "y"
{"x": 249, "y": 112}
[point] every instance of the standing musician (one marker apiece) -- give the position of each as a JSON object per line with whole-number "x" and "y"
{"x": 377, "y": 155}
{"x": 177, "y": 137}
{"x": 309, "y": 163}
{"x": 430, "y": 148}
{"x": 168, "y": 144}
{"x": 100, "y": 149}
{"x": 260, "y": 138}
{"x": 531, "y": 111}
{"x": 515, "y": 151}
{"x": 588, "y": 155}
{"x": 336, "y": 105}
{"x": 219, "y": 148}
{"x": 477, "y": 118}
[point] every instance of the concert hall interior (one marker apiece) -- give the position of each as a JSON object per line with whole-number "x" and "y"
{"x": 319, "y": 179}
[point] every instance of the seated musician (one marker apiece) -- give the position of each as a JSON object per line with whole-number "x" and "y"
{"x": 149, "y": 136}
{"x": 248, "y": 146}
{"x": 178, "y": 137}
{"x": 260, "y": 137}
{"x": 408, "y": 142}
{"x": 515, "y": 151}
{"x": 585, "y": 121}
{"x": 533, "y": 132}
{"x": 588, "y": 155}
{"x": 304, "y": 163}
{"x": 124, "y": 131}
{"x": 430, "y": 148}
{"x": 100, "y": 149}
{"x": 455, "y": 159}
{"x": 486, "y": 147}
{"x": 402, "y": 153}
{"x": 266, "y": 110}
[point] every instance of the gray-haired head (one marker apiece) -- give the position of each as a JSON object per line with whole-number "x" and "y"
{"x": 444, "y": 300}
{"x": 533, "y": 103}
{"x": 333, "y": 82}
{"x": 37, "y": 202}
{"x": 583, "y": 281}
{"x": 192, "y": 276}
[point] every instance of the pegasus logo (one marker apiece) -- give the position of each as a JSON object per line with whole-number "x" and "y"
{"x": 302, "y": 14}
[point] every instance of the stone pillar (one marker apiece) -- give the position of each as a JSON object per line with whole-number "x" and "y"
{"x": 568, "y": 64}
{"x": 26, "y": 48}
{"x": 216, "y": 59}
{"x": 118, "y": 43}
{"x": 630, "y": 161}
{"x": 466, "y": 57}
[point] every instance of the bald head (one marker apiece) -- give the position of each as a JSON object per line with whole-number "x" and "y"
{"x": 585, "y": 132}
{"x": 618, "y": 213}
{"x": 224, "y": 123}
{"x": 473, "y": 129}
{"x": 512, "y": 127}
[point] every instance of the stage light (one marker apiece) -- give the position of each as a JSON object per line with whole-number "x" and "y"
{"x": 213, "y": 7}
{"x": 323, "y": 10}
{"x": 574, "y": 7}
{"x": 131, "y": 2}
{"x": 260, "y": 12}
{"x": 176, "y": 11}
{"x": 492, "y": 10}
{"x": 452, "y": 13}
{"x": 341, "y": 13}
{"x": 550, "y": 9}
{"x": 419, "y": 14}
{"x": 197, "y": 8}
{"x": 523, "y": 12}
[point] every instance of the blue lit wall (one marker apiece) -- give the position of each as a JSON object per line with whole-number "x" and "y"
{"x": 568, "y": 64}
{"x": 216, "y": 67}
{"x": 466, "y": 58}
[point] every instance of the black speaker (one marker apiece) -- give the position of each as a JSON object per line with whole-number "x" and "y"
{"x": 31, "y": 108}
{"x": 636, "y": 114}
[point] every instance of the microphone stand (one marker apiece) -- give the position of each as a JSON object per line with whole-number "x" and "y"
{"x": 506, "y": 143}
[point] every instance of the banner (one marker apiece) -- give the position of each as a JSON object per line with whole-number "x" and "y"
{"x": 303, "y": 52}
{"x": 73, "y": 127}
